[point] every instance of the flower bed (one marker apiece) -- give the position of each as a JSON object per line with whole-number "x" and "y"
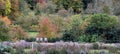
{"x": 58, "y": 48}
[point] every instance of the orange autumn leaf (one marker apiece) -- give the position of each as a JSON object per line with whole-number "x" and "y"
{"x": 6, "y": 20}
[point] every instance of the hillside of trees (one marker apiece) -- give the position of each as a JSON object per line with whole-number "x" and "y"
{"x": 59, "y": 26}
{"x": 68, "y": 20}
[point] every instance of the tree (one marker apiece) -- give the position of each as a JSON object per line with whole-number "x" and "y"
{"x": 14, "y": 9}
{"x": 5, "y": 7}
{"x": 76, "y": 22}
{"x": 47, "y": 28}
{"x": 27, "y": 20}
{"x": 17, "y": 33}
{"x": 76, "y": 5}
{"x": 105, "y": 26}
{"x": 75, "y": 31}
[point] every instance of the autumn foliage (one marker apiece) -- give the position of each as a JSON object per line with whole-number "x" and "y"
{"x": 5, "y": 7}
{"x": 17, "y": 33}
{"x": 14, "y": 9}
{"x": 47, "y": 28}
{"x": 6, "y": 20}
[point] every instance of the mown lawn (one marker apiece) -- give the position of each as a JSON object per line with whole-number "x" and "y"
{"x": 32, "y": 34}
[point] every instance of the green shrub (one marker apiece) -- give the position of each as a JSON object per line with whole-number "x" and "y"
{"x": 74, "y": 31}
{"x": 96, "y": 38}
{"x": 27, "y": 20}
{"x": 76, "y": 20}
{"x": 68, "y": 36}
{"x": 4, "y": 31}
{"x": 89, "y": 38}
{"x": 105, "y": 26}
{"x": 95, "y": 46}
{"x": 83, "y": 38}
